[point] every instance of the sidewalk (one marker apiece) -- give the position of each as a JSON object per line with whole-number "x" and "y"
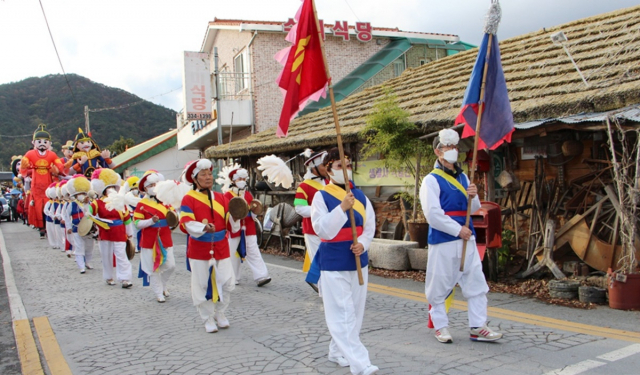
{"x": 280, "y": 328}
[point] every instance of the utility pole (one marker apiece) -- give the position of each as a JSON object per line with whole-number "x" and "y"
{"x": 87, "y": 130}
{"x": 216, "y": 74}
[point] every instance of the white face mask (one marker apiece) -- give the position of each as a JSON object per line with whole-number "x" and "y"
{"x": 338, "y": 176}
{"x": 241, "y": 184}
{"x": 451, "y": 156}
{"x": 135, "y": 192}
{"x": 109, "y": 191}
{"x": 151, "y": 190}
{"x": 81, "y": 197}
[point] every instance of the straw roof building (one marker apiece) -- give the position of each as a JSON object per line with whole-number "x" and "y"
{"x": 541, "y": 79}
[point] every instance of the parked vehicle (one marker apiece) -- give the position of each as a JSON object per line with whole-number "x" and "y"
{"x": 5, "y": 214}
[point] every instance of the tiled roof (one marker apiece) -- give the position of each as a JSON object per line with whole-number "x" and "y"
{"x": 145, "y": 150}
{"x": 541, "y": 80}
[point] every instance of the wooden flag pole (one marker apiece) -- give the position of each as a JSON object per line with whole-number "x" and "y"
{"x": 339, "y": 140}
{"x": 474, "y": 161}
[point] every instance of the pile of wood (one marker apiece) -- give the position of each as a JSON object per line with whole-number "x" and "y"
{"x": 585, "y": 213}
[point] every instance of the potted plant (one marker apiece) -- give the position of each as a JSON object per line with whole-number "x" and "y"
{"x": 624, "y": 283}
{"x": 389, "y": 133}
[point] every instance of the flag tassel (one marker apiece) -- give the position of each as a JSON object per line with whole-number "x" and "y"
{"x": 339, "y": 141}
{"x": 476, "y": 138}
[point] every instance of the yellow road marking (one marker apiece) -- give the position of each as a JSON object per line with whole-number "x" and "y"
{"x": 516, "y": 316}
{"x": 52, "y": 353}
{"x": 27, "y": 350}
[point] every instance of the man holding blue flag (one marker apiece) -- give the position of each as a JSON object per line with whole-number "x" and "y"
{"x": 443, "y": 195}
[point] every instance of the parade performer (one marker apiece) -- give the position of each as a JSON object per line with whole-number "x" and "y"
{"x": 41, "y": 164}
{"x": 157, "y": 262}
{"x": 203, "y": 216}
{"x": 443, "y": 196}
{"x": 78, "y": 188}
{"x": 114, "y": 227}
{"x": 67, "y": 159}
{"x": 49, "y": 216}
{"x": 65, "y": 219}
{"x": 16, "y": 161}
{"x": 314, "y": 181}
{"x": 87, "y": 156}
{"x": 132, "y": 197}
{"x": 59, "y": 217}
{"x": 343, "y": 298}
{"x": 243, "y": 243}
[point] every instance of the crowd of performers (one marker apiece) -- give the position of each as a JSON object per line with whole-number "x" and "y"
{"x": 144, "y": 211}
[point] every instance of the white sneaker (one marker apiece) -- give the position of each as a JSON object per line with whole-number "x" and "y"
{"x": 484, "y": 333}
{"x": 160, "y": 299}
{"x": 83, "y": 270}
{"x": 443, "y": 335}
{"x": 210, "y": 325}
{"x": 371, "y": 369}
{"x": 166, "y": 293}
{"x": 340, "y": 360}
{"x": 222, "y": 320}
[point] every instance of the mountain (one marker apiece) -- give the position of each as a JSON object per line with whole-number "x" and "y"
{"x": 48, "y": 100}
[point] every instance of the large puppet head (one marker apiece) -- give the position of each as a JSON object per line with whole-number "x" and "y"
{"x": 67, "y": 149}
{"x": 84, "y": 142}
{"x": 41, "y": 139}
{"x": 103, "y": 178}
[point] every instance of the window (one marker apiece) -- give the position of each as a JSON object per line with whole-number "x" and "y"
{"x": 238, "y": 68}
{"x": 398, "y": 67}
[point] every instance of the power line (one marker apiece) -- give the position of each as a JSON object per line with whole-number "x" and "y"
{"x": 56, "y": 49}
{"x": 97, "y": 110}
{"x": 354, "y": 13}
{"x": 134, "y": 103}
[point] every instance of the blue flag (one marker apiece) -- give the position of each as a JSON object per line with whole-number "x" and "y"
{"x": 497, "y": 119}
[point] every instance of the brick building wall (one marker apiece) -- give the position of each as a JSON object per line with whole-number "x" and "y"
{"x": 343, "y": 57}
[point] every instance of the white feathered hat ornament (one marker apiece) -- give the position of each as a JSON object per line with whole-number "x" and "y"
{"x": 223, "y": 176}
{"x": 171, "y": 192}
{"x": 275, "y": 170}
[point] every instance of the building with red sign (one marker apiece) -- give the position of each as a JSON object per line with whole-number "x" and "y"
{"x": 248, "y": 99}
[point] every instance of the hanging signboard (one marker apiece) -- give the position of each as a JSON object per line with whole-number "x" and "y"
{"x": 196, "y": 86}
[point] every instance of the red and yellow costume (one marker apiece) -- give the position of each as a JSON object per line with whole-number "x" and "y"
{"x": 42, "y": 175}
{"x": 197, "y": 206}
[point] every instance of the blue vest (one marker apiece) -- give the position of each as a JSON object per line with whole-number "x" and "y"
{"x": 451, "y": 199}
{"x": 337, "y": 256}
{"x": 55, "y": 208}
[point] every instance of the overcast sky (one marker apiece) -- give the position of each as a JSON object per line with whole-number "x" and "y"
{"x": 136, "y": 45}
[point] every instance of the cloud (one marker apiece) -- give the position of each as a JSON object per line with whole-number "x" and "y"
{"x": 137, "y": 45}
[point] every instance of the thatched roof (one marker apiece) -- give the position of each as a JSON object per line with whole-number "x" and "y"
{"x": 541, "y": 80}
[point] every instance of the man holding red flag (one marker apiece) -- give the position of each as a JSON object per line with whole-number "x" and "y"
{"x": 304, "y": 76}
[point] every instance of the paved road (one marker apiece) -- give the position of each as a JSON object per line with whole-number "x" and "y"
{"x": 280, "y": 329}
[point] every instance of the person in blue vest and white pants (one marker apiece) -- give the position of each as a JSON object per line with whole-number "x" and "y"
{"x": 343, "y": 298}
{"x": 443, "y": 196}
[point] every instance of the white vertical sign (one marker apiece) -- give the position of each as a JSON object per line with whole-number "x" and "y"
{"x": 196, "y": 86}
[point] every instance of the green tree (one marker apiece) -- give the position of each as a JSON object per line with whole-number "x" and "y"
{"x": 120, "y": 145}
{"x": 390, "y": 134}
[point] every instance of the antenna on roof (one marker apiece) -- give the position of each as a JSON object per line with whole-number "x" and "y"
{"x": 560, "y": 39}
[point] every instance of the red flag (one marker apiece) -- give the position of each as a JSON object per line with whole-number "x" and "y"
{"x": 304, "y": 76}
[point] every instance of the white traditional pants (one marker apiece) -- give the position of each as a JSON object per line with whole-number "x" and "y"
{"x": 344, "y": 300}
{"x": 52, "y": 234}
{"x": 200, "y": 280}
{"x": 158, "y": 280}
{"x": 312, "y": 243}
{"x": 443, "y": 273}
{"x": 253, "y": 258}
{"x": 123, "y": 267}
{"x": 62, "y": 236}
{"x": 83, "y": 247}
